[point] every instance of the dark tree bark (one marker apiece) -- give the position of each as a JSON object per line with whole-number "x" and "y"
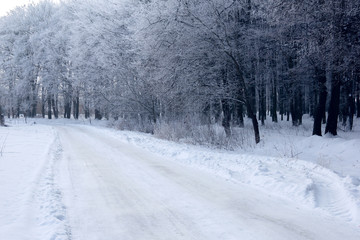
{"x": 296, "y": 108}
{"x": 43, "y": 102}
{"x": 254, "y": 122}
{"x": 274, "y": 102}
{"x": 344, "y": 109}
{"x": 251, "y": 94}
{"x": 87, "y": 109}
{"x": 262, "y": 103}
{"x": 18, "y": 112}
{"x": 54, "y": 103}
{"x": 331, "y": 125}
{"x": 320, "y": 108}
{"x": 240, "y": 115}
{"x": 33, "y": 97}
{"x": 67, "y": 105}
{"x": 67, "y": 109}
{"x": 2, "y": 118}
{"x": 281, "y": 102}
{"x": 293, "y": 112}
{"x": 351, "y": 107}
{"x": 358, "y": 106}
{"x": 68, "y": 93}
{"x": 314, "y": 96}
{"x": 49, "y": 106}
{"x": 288, "y": 115}
{"x": 76, "y": 106}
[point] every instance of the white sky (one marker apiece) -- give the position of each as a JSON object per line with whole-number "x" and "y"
{"x": 7, "y": 5}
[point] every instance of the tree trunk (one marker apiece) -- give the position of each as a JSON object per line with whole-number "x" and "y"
{"x": 67, "y": 110}
{"x": 33, "y": 98}
{"x": 288, "y": 115}
{"x": 76, "y": 103}
{"x": 243, "y": 86}
{"x": 293, "y": 112}
{"x": 281, "y": 102}
{"x": 43, "y": 114}
{"x": 252, "y": 98}
{"x": 49, "y": 106}
{"x": 18, "y": 108}
{"x": 331, "y": 125}
{"x": 274, "y": 102}
{"x": 262, "y": 104}
{"x": 54, "y": 103}
{"x": 358, "y": 106}
{"x": 296, "y": 108}
{"x": 314, "y": 96}
{"x": 351, "y": 106}
{"x": 254, "y": 123}
{"x": 2, "y": 118}
{"x": 344, "y": 109}
{"x": 87, "y": 109}
{"x": 43, "y": 102}
{"x": 320, "y": 108}
{"x": 300, "y": 108}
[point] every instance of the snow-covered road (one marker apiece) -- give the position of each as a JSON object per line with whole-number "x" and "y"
{"x": 79, "y": 182}
{"x": 114, "y": 190}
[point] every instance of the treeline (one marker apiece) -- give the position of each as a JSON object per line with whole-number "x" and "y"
{"x": 203, "y": 62}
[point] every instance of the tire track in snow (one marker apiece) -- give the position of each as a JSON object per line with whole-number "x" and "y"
{"x": 46, "y": 200}
{"x": 331, "y": 195}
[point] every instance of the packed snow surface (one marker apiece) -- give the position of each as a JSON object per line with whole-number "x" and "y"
{"x": 75, "y": 181}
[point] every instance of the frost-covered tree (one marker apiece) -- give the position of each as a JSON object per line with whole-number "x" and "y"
{"x": 154, "y": 63}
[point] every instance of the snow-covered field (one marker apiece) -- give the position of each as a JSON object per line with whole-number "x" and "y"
{"x": 69, "y": 180}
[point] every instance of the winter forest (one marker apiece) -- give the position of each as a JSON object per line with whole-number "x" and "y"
{"x": 155, "y": 65}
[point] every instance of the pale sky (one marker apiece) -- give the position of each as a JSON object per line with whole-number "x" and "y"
{"x": 7, "y": 5}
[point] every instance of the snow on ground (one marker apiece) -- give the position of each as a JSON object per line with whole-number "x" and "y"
{"x": 86, "y": 182}
{"x": 340, "y": 154}
{"x": 30, "y": 200}
{"x": 305, "y": 181}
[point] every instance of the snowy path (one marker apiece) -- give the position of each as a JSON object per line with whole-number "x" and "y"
{"x": 31, "y": 205}
{"x": 114, "y": 190}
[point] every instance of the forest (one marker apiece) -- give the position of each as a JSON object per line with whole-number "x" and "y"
{"x": 184, "y": 64}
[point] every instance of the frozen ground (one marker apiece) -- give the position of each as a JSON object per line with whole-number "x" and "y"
{"x": 61, "y": 180}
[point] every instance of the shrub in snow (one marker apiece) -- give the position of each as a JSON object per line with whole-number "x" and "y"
{"x": 208, "y": 135}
